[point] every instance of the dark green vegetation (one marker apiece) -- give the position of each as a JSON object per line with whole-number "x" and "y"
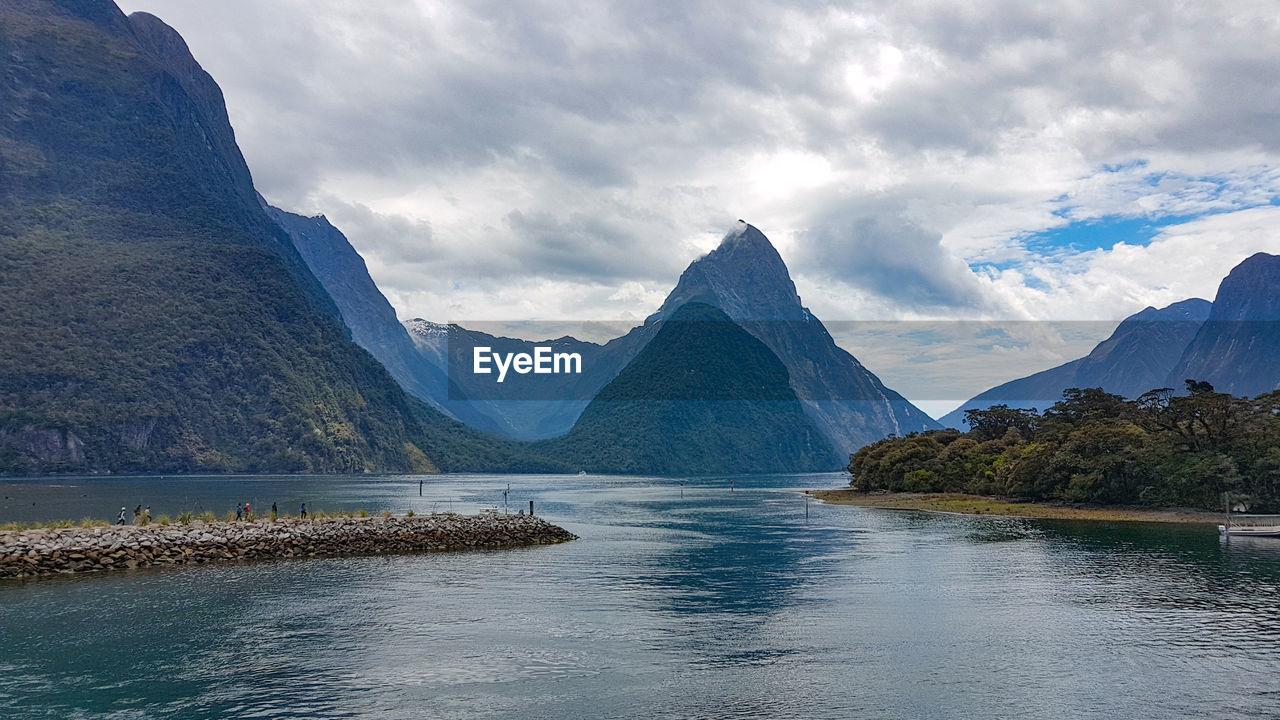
{"x": 152, "y": 317}
{"x": 704, "y": 396}
{"x": 1094, "y": 447}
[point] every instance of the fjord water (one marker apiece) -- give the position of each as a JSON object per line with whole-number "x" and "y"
{"x": 699, "y": 601}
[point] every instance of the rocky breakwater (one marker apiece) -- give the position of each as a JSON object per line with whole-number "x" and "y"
{"x": 27, "y": 553}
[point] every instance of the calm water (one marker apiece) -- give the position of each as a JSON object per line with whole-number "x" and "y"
{"x": 717, "y": 604}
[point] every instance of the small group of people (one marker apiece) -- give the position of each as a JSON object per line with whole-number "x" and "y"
{"x": 243, "y": 511}
{"x": 141, "y": 515}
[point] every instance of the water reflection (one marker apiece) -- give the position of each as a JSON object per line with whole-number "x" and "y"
{"x": 718, "y": 603}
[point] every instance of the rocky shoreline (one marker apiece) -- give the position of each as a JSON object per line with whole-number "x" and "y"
{"x": 31, "y": 553}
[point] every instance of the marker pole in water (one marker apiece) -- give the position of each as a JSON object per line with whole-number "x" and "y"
{"x": 419, "y": 488}
{"x": 530, "y": 508}
{"x": 806, "y": 504}
{"x": 682, "y": 489}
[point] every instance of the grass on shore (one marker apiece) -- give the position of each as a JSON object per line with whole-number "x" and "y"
{"x": 981, "y": 505}
{"x": 187, "y": 518}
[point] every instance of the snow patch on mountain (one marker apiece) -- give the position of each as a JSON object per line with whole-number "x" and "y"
{"x": 426, "y": 328}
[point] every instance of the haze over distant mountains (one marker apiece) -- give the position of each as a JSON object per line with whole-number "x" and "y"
{"x": 1136, "y": 358}
{"x": 746, "y": 279}
{"x": 1232, "y": 343}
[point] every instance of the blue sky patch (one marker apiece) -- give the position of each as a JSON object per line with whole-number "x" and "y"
{"x": 1101, "y": 234}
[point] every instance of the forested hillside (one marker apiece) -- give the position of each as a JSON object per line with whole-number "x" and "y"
{"x": 152, "y": 317}
{"x": 1161, "y": 449}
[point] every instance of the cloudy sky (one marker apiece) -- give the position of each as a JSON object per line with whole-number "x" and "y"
{"x": 1068, "y": 161}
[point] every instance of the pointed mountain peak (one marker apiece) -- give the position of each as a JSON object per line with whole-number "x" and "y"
{"x": 745, "y": 276}
{"x": 743, "y": 237}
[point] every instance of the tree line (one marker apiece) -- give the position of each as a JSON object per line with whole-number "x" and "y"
{"x": 1162, "y": 449}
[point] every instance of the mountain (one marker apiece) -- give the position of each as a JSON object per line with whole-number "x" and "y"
{"x": 154, "y": 318}
{"x": 1137, "y": 357}
{"x": 366, "y": 312}
{"x": 703, "y": 397}
{"x": 1236, "y": 350}
{"x": 113, "y": 130}
{"x": 535, "y": 407}
{"x": 747, "y": 279}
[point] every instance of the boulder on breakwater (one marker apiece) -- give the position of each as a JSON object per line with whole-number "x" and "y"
{"x": 27, "y": 553}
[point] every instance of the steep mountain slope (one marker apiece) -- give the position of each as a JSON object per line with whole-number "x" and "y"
{"x": 364, "y": 309}
{"x": 1237, "y": 348}
{"x": 152, "y": 317}
{"x": 1137, "y": 357}
{"x": 112, "y": 130}
{"x": 703, "y": 397}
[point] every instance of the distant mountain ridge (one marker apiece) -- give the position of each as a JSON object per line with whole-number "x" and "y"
{"x": 1137, "y": 357}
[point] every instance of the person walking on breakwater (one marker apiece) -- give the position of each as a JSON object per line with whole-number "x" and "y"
{"x": 246, "y": 510}
{"x": 137, "y": 513}
{"x": 146, "y": 515}
{"x": 239, "y": 512}
{"x": 275, "y": 512}
{"x": 120, "y": 518}
{"x": 303, "y": 514}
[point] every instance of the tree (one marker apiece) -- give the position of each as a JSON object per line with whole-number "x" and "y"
{"x": 993, "y": 422}
{"x": 1086, "y": 405}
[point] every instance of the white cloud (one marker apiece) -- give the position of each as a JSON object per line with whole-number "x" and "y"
{"x": 1182, "y": 261}
{"x": 548, "y": 160}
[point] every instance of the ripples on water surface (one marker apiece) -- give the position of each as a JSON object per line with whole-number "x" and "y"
{"x": 716, "y": 604}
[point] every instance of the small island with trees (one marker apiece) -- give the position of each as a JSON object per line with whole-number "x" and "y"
{"x": 1092, "y": 449}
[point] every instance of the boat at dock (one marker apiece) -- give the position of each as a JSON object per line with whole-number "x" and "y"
{"x": 1251, "y": 526}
